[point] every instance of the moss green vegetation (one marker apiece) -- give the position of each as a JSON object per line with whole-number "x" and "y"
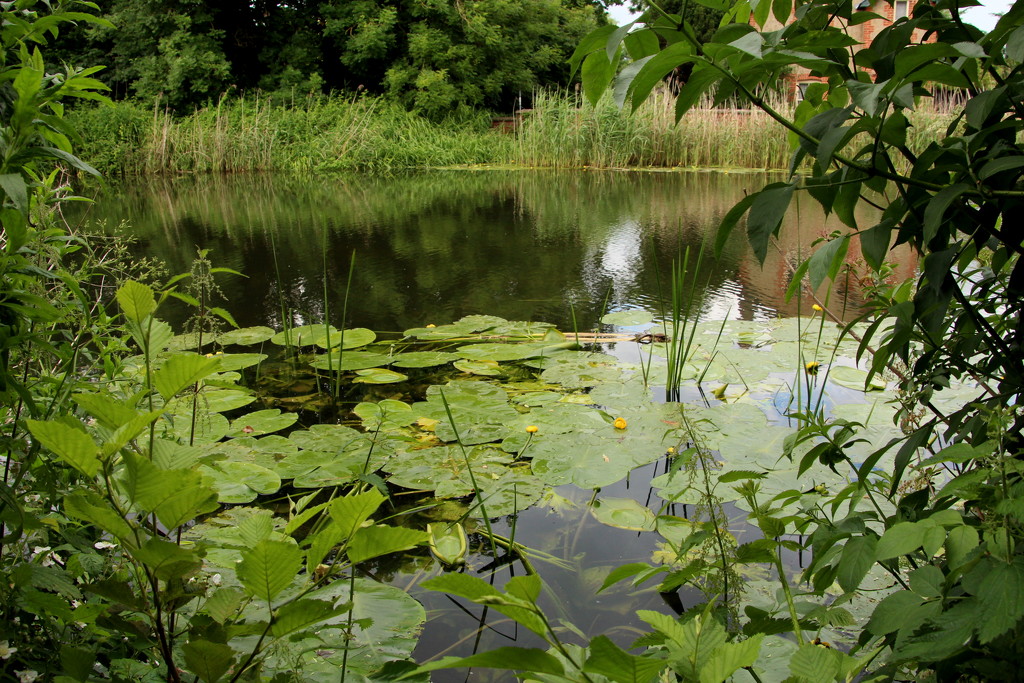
{"x": 373, "y": 134}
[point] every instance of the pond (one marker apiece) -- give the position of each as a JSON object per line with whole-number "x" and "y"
{"x": 585, "y": 252}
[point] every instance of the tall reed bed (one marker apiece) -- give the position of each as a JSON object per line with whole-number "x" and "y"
{"x": 561, "y": 131}
{"x": 362, "y": 133}
{"x": 254, "y": 134}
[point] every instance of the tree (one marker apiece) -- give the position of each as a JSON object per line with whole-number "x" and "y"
{"x": 955, "y": 202}
{"x": 437, "y": 56}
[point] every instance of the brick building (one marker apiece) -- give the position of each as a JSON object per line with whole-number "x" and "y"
{"x": 889, "y": 10}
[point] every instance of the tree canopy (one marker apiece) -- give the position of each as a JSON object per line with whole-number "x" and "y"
{"x": 434, "y": 56}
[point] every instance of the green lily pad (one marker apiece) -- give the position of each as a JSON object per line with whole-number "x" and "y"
{"x": 303, "y": 335}
{"x": 512, "y": 492}
{"x": 481, "y": 411}
{"x": 332, "y": 455}
{"x": 443, "y": 469}
{"x": 387, "y": 624}
{"x": 583, "y": 370}
{"x": 623, "y": 513}
{"x": 237, "y": 361}
{"x": 211, "y": 400}
{"x": 385, "y": 414}
{"x": 423, "y": 359}
{"x": 854, "y": 378}
{"x": 628, "y": 318}
{"x": 351, "y": 360}
{"x": 485, "y": 368}
{"x": 189, "y": 340}
{"x": 353, "y": 338}
{"x": 499, "y": 352}
{"x": 261, "y": 422}
{"x": 241, "y": 482}
{"x": 521, "y": 328}
{"x": 481, "y": 323}
{"x": 379, "y": 376}
{"x": 207, "y": 427}
{"x": 245, "y": 336}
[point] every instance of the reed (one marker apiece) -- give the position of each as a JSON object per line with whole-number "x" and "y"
{"x": 363, "y": 133}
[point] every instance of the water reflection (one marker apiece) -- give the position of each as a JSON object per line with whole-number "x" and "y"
{"x": 433, "y": 247}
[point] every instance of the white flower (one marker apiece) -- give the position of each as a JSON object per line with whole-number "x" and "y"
{"x": 6, "y": 650}
{"x": 104, "y": 545}
{"x": 27, "y": 676}
{"x": 216, "y": 579}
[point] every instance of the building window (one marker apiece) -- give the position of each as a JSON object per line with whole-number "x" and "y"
{"x": 900, "y": 9}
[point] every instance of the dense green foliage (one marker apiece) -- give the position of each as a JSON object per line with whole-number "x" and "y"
{"x": 433, "y": 57}
{"x": 945, "y": 522}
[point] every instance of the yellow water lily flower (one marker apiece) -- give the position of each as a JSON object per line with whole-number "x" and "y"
{"x": 620, "y": 423}
{"x": 812, "y": 367}
{"x": 531, "y": 429}
{"x": 817, "y": 308}
{"x": 431, "y": 325}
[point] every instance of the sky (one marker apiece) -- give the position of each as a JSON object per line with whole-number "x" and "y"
{"x": 983, "y": 17}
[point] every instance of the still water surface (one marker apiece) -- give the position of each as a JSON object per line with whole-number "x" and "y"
{"x": 433, "y": 247}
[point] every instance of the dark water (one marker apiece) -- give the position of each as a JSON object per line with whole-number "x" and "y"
{"x": 433, "y": 247}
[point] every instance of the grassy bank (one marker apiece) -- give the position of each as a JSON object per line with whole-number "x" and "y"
{"x": 367, "y": 134}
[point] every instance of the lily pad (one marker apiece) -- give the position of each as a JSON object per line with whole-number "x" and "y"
{"x": 332, "y": 455}
{"x": 481, "y": 411}
{"x": 241, "y": 482}
{"x": 353, "y": 338}
{"x": 303, "y": 335}
{"x": 261, "y": 422}
{"x": 579, "y": 371}
{"x": 512, "y": 492}
{"x": 237, "y": 361}
{"x": 379, "y": 376}
{"x": 351, "y": 360}
{"x": 486, "y": 368}
{"x": 385, "y": 414}
{"x": 245, "y": 336}
{"x": 623, "y": 513}
{"x": 499, "y": 352}
{"x": 387, "y": 623}
{"x": 629, "y": 318}
{"x": 206, "y": 428}
{"x": 854, "y": 378}
{"x": 423, "y": 359}
{"x": 443, "y": 469}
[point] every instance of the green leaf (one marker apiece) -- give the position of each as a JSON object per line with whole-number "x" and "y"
{"x": 858, "y": 557}
{"x": 207, "y": 660}
{"x": 937, "y": 206}
{"x": 597, "y": 73}
{"x": 827, "y": 260}
{"x": 767, "y": 210}
{"x": 14, "y": 185}
{"x": 611, "y": 661}
{"x": 729, "y": 658}
{"x": 523, "y": 659}
{"x": 93, "y": 509}
{"x": 245, "y": 336}
{"x": 374, "y": 541}
{"x": 900, "y": 539}
{"x": 136, "y": 300}
{"x": 349, "y": 512}
{"x": 815, "y": 664}
{"x": 729, "y": 222}
{"x": 269, "y": 568}
{"x": 70, "y": 444}
{"x": 175, "y": 496}
{"x": 180, "y": 371}
{"x": 1002, "y": 597}
{"x": 301, "y": 614}
{"x": 167, "y": 560}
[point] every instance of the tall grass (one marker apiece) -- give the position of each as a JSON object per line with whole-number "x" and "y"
{"x": 362, "y": 133}
{"x": 563, "y": 132}
{"x": 254, "y": 134}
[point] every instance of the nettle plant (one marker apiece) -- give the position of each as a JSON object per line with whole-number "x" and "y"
{"x": 944, "y": 521}
{"x": 237, "y": 603}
